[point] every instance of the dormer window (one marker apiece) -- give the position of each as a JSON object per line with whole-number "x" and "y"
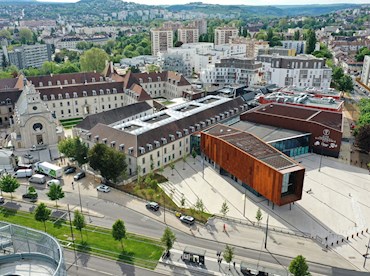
{"x": 159, "y": 78}
{"x": 130, "y": 150}
{"x": 197, "y": 126}
{"x": 157, "y": 144}
{"x": 140, "y": 80}
{"x": 231, "y": 111}
{"x": 94, "y": 93}
{"x": 113, "y": 144}
{"x": 88, "y": 136}
{"x": 45, "y": 97}
{"x": 142, "y": 150}
{"x": 84, "y": 93}
{"x": 52, "y": 97}
{"x": 101, "y": 91}
{"x": 65, "y": 82}
{"x": 97, "y": 138}
{"x": 172, "y": 137}
{"x": 236, "y": 110}
{"x": 101, "y": 78}
{"x": 203, "y": 124}
{"x": 208, "y": 121}
{"x": 164, "y": 141}
{"x": 92, "y": 79}
{"x": 149, "y": 79}
{"x": 49, "y": 83}
{"x": 217, "y": 117}
{"x": 58, "y": 82}
{"x": 73, "y": 81}
{"x": 105, "y": 140}
{"x": 186, "y": 131}
{"x": 122, "y": 147}
{"x": 114, "y": 91}
{"x": 108, "y": 91}
{"x": 179, "y": 134}
{"x": 150, "y": 146}
{"x": 227, "y": 114}
{"x": 41, "y": 84}
{"x": 8, "y": 101}
{"x": 60, "y": 97}
{"x": 67, "y": 95}
{"x": 192, "y": 129}
{"x": 75, "y": 95}
{"x": 213, "y": 120}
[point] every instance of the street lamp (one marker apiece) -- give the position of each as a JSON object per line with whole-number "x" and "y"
{"x": 317, "y": 143}
{"x": 79, "y": 195}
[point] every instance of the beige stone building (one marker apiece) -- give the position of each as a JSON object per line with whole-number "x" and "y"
{"x": 161, "y": 39}
{"x": 224, "y": 34}
{"x": 188, "y": 35}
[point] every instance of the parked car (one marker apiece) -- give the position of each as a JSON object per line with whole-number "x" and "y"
{"x": 2, "y": 201}
{"x": 187, "y": 219}
{"x": 79, "y": 176}
{"x": 53, "y": 181}
{"x": 152, "y": 205}
{"x": 28, "y": 156}
{"x": 37, "y": 178}
{"x": 103, "y": 188}
{"x": 69, "y": 170}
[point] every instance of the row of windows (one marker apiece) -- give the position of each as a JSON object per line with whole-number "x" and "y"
{"x": 65, "y": 82}
{"x": 85, "y": 102}
{"x": 75, "y": 94}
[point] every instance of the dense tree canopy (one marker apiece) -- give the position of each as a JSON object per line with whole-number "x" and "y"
{"x": 93, "y": 60}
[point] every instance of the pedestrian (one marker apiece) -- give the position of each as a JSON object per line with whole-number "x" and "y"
{"x": 234, "y": 264}
{"x": 224, "y": 227}
{"x": 73, "y": 186}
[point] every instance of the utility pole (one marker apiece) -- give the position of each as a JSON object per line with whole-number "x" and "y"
{"x": 267, "y": 227}
{"x": 164, "y": 206}
{"x": 79, "y": 196}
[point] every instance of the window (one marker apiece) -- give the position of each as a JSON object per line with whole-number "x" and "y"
{"x": 60, "y": 97}
{"x": 144, "y": 170}
{"x": 173, "y": 147}
{"x": 61, "y": 104}
{"x": 94, "y": 93}
{"x": 158, "y": 154}
{"x": 101, "y": 92}
{"x": 75, "y": 95}
{"x": 84, "y": 93}
{"x": 53, "y": 105}
{"x": 68, "y": 103}
{"x": 62, "y": 112}
{"x": 76, "y": 110}
{"x": 52, "y": 97}
{"x": 69, "y": 111}
{"x": 165, "y": 150}
{"x": 129, "y": 161}
{"x": 143, "y": 160}
{"x": 67, "y": 95}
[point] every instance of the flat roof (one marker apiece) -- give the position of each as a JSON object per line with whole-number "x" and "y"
{"x": 195, "y": 251}
{"x": 266, "y": 132}
{"x": 252, "y": 145}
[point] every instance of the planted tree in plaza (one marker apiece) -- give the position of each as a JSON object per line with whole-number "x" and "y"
{"x": 194, "y": 154}
{"x": 224, "y": 208}
{"x": 182, "y": 201}
{"x": 67, "y": 147}
{"x": 259, "y": 215}
{"x": 168, "y": 238}
{"x": 119, "y": 231}
{"x": 109, "y": 162}
{"x": 199, "y": 205}
{"x": 228, "y": 254}
{"x": 183, "y": 161}
{"x": 55, "y": 193}
{"x": 9, "y": 184}
{"x": 79, "y": 221}
{"x": 42, "y": 213}
{"x": 172, "y": 166}
{"x": 74, "y": 147}
{"x": 299, "y": 267}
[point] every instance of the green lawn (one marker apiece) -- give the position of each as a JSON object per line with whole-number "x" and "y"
{"x": 137, "y": 250}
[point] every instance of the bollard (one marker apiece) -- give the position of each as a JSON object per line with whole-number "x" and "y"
{"x": 352, "y": 236}
{"x": 342, "y": 240}
{"x": 347, "y": 238}
{"x": 362, "y": 232}
{"x": 332, "y": 244}
{"x": 337, "y": 242}
{"x": 357, "y": 234}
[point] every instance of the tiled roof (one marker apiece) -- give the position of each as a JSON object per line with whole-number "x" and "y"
{"x": 143, "y": 96}
{"x": 8, "y": 83}
{"x": 114, "y": 115}
{"x": 161, "y": 76}
{"x": 78, "y": 77}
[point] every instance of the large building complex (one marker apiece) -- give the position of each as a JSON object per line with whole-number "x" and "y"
{"x": 188, "y": 35}
{"x": 298, "y": 45}
{"x": 224, "y": 34}
{"x": 154, "y": 140}
{"x": 300, "y": 71}
{"x": 162, "y": 40}
{"x": 253, "y": 163}
{"x": 243, "y": 71}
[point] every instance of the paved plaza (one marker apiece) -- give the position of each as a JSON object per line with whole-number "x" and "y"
{"x": 335, "y": 203}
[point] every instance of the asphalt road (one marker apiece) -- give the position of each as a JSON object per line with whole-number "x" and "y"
{"x": 139, "y": 223}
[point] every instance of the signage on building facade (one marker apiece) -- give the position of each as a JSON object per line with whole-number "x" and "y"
{"x": 325, "y": 140}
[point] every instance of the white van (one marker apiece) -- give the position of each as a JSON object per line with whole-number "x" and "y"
{"x": 37, "y": 178}
{"x": 23, "y": 173}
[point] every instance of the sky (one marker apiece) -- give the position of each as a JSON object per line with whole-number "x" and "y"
{"x": 233, "y": 2}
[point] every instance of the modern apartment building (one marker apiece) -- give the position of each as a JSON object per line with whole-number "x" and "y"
{"x": 301, "y": 71}
{"x": 162, "y": 40}
{"x": 277, "y": 50}
{"x": 224, "y": 34}
{"x": 243, "y": 71}
{"x": 365, "y": 76}
{"x": 27, "y": 56}
{"x": 188, "y": 35}
{"x": 298, "y": 45}
{"x": 200, "y": 24}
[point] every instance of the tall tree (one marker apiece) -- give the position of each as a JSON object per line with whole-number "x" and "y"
{"x": 345, "y": 83}
{"x": 81, "y": 151}
{"x": 79, "y": 221}
{"x": 42, "y": 213}
{"x": 172, "y": 166}
{"x": 363, "y": 137}
{"x": 168, "y": 238}
{"x": 25, "y": 35}
{"x": 310, "y": 41}
{"x": 224, "y": 208}
{"x": 119, "y": 231}
{"x": 297, "y": 35}
{"x": 55, "y": 193}
{"x": 228, "y": 254}
{"x": 93, "y": 60}
{"x": 194, "y": 154}
{"x": 299, "y": 267}
{"x": 9, "y": 184}
{"x": 67, "y": 147}
{"x": 199, "y": 205}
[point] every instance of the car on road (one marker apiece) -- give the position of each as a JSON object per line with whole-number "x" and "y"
{"x": 69, "y": 170}
{"x": 2, "y": 200}
{"x": 152, "y": 205}
{"x": 28, "y": 156}
{"x": 103, "y": 188}
{"x": 79, "y": 176}
{"x": 187, "y": 219}
{"x": 53, "y": 181}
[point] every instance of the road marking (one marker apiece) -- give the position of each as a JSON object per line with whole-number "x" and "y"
{"x": 88, "y": 268}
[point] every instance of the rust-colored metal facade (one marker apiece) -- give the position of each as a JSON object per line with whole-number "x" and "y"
{"x": 261, "y": 177}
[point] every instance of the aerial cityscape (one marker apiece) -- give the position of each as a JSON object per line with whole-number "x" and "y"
{"x": 188, "y": 138}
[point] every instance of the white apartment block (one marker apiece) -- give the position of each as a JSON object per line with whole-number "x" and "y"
{"x": 188, "y": 35}
{"x": 365, "y": 75}
{"x": 162, "y": 40}
{"x": 224, "y": 34}
{"x": 300, "y": 71}
{"x": 244, "y": 71}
